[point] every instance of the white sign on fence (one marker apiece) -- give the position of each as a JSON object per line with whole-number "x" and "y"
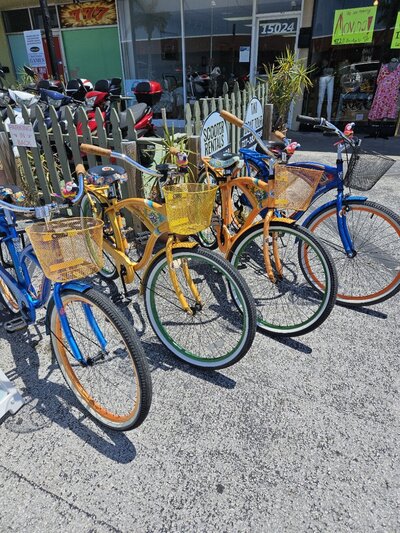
{"x": 34, "y": 48}
{"x": 22, "y": 135}
{"x": 254, "y": 118}
{"x": 214, "y": 139}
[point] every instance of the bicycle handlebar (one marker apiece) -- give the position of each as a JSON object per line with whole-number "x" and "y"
{"x": 106, "y": 152}
{"x": 44, "y": 211}
{"x": 323, "y": 123}
{"x": 233, "y": 119}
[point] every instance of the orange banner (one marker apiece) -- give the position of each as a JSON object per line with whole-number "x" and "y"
{"x": 101, "y": 12}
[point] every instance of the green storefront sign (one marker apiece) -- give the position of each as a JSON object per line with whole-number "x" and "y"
{"x": 353, "y": 26}
{"x": 396, "y": 33}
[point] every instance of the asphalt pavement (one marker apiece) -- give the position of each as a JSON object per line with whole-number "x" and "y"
{"x": 302, "y": 435}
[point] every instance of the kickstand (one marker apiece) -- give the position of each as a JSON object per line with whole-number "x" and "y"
{"x": 122, "y": 275}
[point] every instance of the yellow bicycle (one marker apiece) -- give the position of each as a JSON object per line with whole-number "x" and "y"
{"x": 198, "y": 305}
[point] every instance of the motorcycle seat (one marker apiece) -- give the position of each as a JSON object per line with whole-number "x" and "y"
{"x": 138, "y": 111}
{"x": 225, "y": 161}
{"x": 101, "y": 175}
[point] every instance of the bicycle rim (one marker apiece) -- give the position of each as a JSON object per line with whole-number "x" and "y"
{"x": 291, "y": 306}
{"x": 219, "y": 333}
{"x": 115, "y": 388}
{"x": 373, "y": 274}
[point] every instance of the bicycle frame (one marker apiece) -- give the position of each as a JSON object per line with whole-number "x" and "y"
{"x": 331, "y": 179}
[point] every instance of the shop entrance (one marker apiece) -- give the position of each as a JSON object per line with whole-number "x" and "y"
{"x": 275, "y": 34}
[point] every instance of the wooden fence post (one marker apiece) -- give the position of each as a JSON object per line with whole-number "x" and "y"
{"x": 194, "y": 155}
{"x": 134, "y": 185}
{"x": 267, "y": 122}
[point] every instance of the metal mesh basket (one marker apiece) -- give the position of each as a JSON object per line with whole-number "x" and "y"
{"x": 68, "y": 248}
{"x": 365, "y": 169}
{"x": 294, "y": 187}
{"x": 189, "y": 207}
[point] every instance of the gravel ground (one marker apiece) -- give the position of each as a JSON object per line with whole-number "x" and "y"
{"x": 301, "y": 435}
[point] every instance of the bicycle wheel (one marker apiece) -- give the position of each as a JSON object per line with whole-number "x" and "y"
{"x": 373, "y": 274}
{"x": 291, "y": 306}
{"x": 221, "y": 330}
{"x": 109, "y": 270}
{"x": 115, "y": 386}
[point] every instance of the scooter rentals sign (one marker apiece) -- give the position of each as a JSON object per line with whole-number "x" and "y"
{"x": 34, "y": 48}
{"x": 214, "y": 139}
{"x": 255, "y": 119}
{"x": 352, "y": 26}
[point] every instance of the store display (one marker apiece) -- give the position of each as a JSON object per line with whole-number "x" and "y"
{"x": 357, "y": 81}
{"x": 385, "y": 103}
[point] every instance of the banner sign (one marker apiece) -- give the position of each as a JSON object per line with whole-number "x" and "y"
{"x": 34, "y": 48}
{"x": 396, "y": 33}
{"x": 214, "y": 139}
{"x": 277, "y": 27}
{"x": 254, "y": 119}
{"x": 98, "y": 13}
{"x": 353, "y": 26}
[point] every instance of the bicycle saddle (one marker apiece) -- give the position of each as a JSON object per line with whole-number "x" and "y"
{"x": 225, "y": 161}
{"x": 278, "y": 146}
{"x": 138, "y": 111}
{"x": 105, "y": 175}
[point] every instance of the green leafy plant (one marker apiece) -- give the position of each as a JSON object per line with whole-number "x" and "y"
{"x": 286, "y": 79}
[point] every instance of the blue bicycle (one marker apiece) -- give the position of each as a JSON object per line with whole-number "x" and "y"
{"x": 95, "y": 346}
{"x": 362, "y": 236}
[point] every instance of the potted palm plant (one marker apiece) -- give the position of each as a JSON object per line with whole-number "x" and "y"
{"x": 287, "y": 78}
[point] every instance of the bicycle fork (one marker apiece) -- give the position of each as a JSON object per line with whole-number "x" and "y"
{"x": 174, "y": 278}
{"x": 275, "y": 249}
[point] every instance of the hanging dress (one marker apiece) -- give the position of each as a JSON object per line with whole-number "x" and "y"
{"x": 386, "y": 95}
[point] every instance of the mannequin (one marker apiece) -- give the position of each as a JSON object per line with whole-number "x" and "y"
{"x": 384, "y": 105}
{"x": 326, "y": 83}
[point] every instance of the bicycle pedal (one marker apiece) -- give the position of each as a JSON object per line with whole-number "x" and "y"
{"x": 14, "y": 325}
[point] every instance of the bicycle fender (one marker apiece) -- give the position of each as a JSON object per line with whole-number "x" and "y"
{"x": 330, "y": 204}
{"x": 78, "y": 286}
{"x": 185, "y": 244}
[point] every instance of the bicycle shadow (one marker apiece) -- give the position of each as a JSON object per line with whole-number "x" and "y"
{"x": 49, "y": 402}
{"x": 158, "y": 356}
{"x": 290, "y": 342}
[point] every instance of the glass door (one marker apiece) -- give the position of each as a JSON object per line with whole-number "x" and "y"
{"x": 275, "y": 35}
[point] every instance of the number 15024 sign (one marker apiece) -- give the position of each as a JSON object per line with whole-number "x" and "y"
{"x": 278, "y": 27}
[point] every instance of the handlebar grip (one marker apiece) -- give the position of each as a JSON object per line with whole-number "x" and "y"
{"x": 279, "y": 135}
{"x": 95, "y": 150}
{"x": 80, "y": 169}
{"x": 315, "y": 121}
{"x": 233, "y": 119}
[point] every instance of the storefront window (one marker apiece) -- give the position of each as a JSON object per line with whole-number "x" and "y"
{"x": 277, "y": 6}
{"x": 348, "y": 75}
{"x": 16, "y": 20}
{"x": 37, "y": 18}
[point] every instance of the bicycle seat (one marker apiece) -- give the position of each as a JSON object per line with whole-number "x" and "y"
{"x": 278, "y": 146}
{"x": 105, "y": 175}
{"x": 225, "y": 161}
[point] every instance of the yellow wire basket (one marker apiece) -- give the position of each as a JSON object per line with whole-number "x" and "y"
{"x": 189, "y": 207}
{"x": 294, "y": 187}
{"x": 68, "y": 248}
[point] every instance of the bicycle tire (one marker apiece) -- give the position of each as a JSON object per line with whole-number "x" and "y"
{"x": 222, "y": 319}
{"x": 373, "y": 275}
{"x": 84, "y": 380}
{"x": 109, "y": 271}
{"x": 281, "y": 306}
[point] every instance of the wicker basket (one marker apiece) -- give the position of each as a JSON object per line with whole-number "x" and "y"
{"x": 366, "y": 169}
{"x": 294, "y": 187}
{"x": 189, "y": 207}
{"x": 68, "y": 248}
